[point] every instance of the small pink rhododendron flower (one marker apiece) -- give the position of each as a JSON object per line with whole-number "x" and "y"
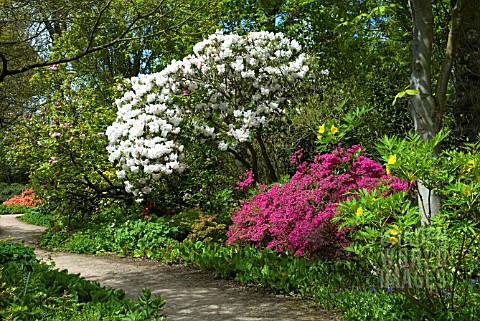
{"x": 296, "y": 156}
{"x": 247, "y": 179}
{"x": 296, "y": 216}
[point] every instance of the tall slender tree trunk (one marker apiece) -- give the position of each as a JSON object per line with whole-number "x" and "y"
{"x": 422, "y": 105}
{"x": 427, "y": 110}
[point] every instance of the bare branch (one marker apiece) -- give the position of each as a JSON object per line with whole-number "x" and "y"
{"x": 97, "y": 23}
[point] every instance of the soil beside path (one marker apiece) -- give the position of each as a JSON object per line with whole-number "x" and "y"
{"x": 189, "y": 294}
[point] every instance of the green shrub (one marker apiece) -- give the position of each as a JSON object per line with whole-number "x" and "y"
{"x": 132, "y": 237}
{"x": 434, "y": 266}
{"x": 206, "y": 229}
{"x": 9, "y": 190}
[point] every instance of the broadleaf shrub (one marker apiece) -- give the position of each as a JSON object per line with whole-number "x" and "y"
{"x": 434, "y": 266}
{"x": 34, "y": 215}
{"x": 296, "y": 216}
{"x": 9, "y": 190}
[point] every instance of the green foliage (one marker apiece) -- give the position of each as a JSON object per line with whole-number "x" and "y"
{"x": 355, "y": 54}
{"x": 36, "y": 216}
{"x": 374, "y": 304}
{"x": 434, "y": 266}
{"x": 12, "y": 252}
{"x": 136, "y": 237}
{"x": 206, "y": 182}
{"x": 13, "y": 209}
{"x": 9, "y": 190}
{"x": 341, "y": 128}
{"x": 55, "y": 295}
{"x": 63, "y": 145}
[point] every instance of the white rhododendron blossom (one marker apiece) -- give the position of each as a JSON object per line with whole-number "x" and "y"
{"x": 142, "y": 139}
{"x": 230, "y": 87}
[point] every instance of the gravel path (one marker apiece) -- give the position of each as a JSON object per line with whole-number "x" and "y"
{"x": 190, "y": 294}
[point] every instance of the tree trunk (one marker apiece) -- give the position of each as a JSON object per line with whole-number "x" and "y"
{"x": 422, "y": 105}
{"x": 272, "y": 176}
{"x": 427, "y": 110}
{"x": 467, "y": 77}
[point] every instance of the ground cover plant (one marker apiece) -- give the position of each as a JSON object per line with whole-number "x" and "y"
{"x": 31, "y": 290}
{"x": 13, "y": 209}
{"x": 36, "y": 216}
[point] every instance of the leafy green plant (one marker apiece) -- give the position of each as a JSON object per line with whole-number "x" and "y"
{"x": 434, "y": 265}
{"x": 13, "y": 209}
{"x": 36, "y": 216}
{"x": 206, "y": 229}
{"x": 56, "y": 295}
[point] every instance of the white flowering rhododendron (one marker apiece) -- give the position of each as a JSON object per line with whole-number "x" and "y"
{"x": 230, "y": 88}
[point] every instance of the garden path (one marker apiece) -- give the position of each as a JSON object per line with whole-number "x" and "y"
{"x": 190, "y": 294}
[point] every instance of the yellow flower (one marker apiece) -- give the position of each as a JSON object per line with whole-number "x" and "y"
{"x": 467, "y": 190}
{"x": 393, "y": 240}
{"x": 392, "y": 159}
{"x": 388, "y": 170}
{"x": 393, "y": 232}
{"x": 359, "y": 211}
{"x": 411, "y": 176}
{"x": 319, "y": 137}
{"x": 471, "y": 165}
{"x": 321, "y": 129}
{"x": 334, "y": 129}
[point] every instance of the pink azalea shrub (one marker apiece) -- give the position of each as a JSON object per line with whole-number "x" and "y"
{"x": 296, "y": 216}
{"x": 27, "y": 198}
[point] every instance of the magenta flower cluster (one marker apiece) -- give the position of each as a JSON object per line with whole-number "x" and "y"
{"x": 246, "y": 179}
{"x": 296, "y": 216}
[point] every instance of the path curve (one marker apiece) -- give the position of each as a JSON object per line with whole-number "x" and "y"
{"x": 190, "y": 294}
